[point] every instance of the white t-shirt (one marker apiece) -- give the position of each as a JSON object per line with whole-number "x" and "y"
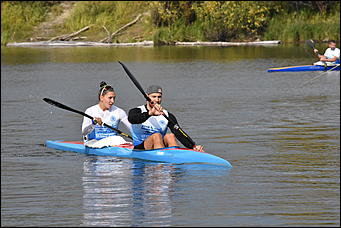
{"x": 329, "y": 53}
{"x": 112, "y": 117}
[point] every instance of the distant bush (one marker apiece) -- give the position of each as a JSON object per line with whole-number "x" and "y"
{"x": 219, "y": 20}
{"x": 240, "y": 20}
{"x": 19, "y": 17}
{"x": 171, "y": 21}
{"x": 303, "y": 25}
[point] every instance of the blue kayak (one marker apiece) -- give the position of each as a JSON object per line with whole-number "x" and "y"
{"x": 304, "y": 68}
{"x": 174, "y": 155}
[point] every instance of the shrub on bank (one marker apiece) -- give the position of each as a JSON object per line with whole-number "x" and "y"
{"x": 171, "y": 21}
{"x": 300, "y": 26}
{"x": 19, "y": 17}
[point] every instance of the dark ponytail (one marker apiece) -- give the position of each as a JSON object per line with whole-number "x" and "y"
{"x": 102, "y": 84}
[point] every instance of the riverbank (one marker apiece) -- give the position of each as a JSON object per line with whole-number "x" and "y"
{"x": 143, "y": 43}
{"x": 166, "y": 23}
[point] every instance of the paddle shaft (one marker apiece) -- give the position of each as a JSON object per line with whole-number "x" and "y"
{"x": 311, "y": 43}
{"x": 137, "y": 84}
{"x": 319, "y": 75}
{"x": 59, "y": 105}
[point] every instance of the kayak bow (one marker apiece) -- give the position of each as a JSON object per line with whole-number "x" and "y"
{"x": 304, "y": 68}
{"x": 174, "y": 155}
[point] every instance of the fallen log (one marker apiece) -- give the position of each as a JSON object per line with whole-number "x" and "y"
{"x": 41, "y": 38}
{"x": 78, "y": 38}
{"x": 141, "y": 43}
{"x": 79, "y": 43}
{"x": 206, "y": 43}
{"x": 117, "y": 32}
{"x": 69, "y": 36}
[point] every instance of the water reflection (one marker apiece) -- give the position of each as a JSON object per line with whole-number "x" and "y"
{"x": 283, "y": 139}
{"x": 29, "y": 55}
{"x": 127, "y": 192}
{"x": 106, "y": 190}
{"x": 304, "y": 124}
{"x": 304, "y": 163}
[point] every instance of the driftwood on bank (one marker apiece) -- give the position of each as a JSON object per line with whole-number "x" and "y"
{"x": 67, "y": 37}
{"x": 204, "y": 43}
{"x": 143, "y": 43}
{"x": 79, "y": 43}
{"x": 42, "y": 38}
{"x": 117, "y": 32}
{"x": 74, "y": 36}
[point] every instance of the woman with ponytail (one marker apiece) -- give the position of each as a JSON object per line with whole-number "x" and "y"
{"x": 96, "y": 135}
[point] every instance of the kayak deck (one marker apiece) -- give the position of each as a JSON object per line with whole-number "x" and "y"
{"x": 174, "y": 155}
{"x": 304, "y": 68}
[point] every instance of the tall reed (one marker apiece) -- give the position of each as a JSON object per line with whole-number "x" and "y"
{"x": 111, "y": 14}
{"x": 19, "y": 18}
{"x": 300, "y": 26}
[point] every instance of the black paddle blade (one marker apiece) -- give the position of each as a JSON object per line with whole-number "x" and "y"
{"x": 136, "y": 83}
{"x": 59, "y": 105}
{"x": 310, "y": 43}
{"x": 48, "y": 100}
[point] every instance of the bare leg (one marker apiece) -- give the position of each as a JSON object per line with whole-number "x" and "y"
{"x": 170, "y": 140}
{"x": 154, "y": 142}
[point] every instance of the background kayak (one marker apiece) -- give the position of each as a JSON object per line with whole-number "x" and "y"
{"x": 304, "y": 68}
{"x": 174, "y": 155}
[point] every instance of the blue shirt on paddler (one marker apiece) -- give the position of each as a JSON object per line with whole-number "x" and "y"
{"x": 154, "y": 124}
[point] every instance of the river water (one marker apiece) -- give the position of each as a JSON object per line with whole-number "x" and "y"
{"x": 281, "y": 134}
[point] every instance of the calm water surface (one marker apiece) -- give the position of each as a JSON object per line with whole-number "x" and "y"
{"x": 282, "y": 138}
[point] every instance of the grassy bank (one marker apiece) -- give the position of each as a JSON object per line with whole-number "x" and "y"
{"x": 300, "y": 26}
{"x": 166, "y": 22}
{"x": 246, "y": 21}
{"x": 111, "y": 16}
{"x": 18, "y": 20}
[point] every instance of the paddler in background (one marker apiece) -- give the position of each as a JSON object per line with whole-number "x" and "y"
{"x": 149, "y": 126}
{"x": 94, "y": 134}
{"x": 331, "y": 56}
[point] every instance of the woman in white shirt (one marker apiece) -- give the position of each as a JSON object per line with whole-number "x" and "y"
{"x": 96, "y": 135}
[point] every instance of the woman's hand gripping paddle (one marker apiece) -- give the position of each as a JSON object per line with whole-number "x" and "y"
{"x": 59, "y": 105}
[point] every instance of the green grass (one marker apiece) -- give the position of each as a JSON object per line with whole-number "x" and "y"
{"x": 111, "y": 14}
{"x": 301, "y": 26}
{"x": 19, "y": 18}
{"x": 178, "y": 32}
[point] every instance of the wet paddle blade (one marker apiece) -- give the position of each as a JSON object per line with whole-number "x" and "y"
{"x": 310, "y": 43}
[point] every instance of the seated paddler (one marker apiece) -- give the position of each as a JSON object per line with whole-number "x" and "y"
{"x": 331, "y": 56}
{"x": 149, "y": 126}
{"x": 94, "y": 133}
